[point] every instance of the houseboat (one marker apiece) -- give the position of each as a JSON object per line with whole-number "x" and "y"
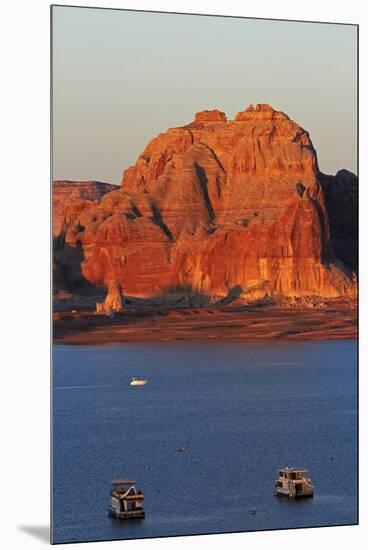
{"x": 126, "y": 500}
{"x": 293, "y": 483}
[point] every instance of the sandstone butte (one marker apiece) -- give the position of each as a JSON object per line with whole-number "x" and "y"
{"x": 216, "y": 208}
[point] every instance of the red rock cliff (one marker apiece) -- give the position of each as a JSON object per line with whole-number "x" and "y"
{"x": 66, "y": 192}
{"x": 214, "y": 206}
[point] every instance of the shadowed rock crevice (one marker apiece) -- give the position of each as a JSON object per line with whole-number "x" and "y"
{"x": 202, "y": 180}
{"x": 300, "y": 188}
{"x": 157, "y": 219}
{"x": 326, "y": 251}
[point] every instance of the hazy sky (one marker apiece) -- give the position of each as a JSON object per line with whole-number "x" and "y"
{"x": 120, "y": 78}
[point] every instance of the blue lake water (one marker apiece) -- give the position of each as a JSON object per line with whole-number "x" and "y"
{"x": 240, "y": 410}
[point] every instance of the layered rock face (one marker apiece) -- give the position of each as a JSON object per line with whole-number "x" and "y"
{"x": 216, "y": 208}
{"x": 66, "y": 192}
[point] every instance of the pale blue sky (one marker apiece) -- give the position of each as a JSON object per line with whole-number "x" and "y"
{"x": 120, "y": 78}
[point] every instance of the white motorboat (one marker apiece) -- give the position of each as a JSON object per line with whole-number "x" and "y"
{"x": 138, "y": 381}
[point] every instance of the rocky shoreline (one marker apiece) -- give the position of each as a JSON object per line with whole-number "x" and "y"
{"x": 332, "y": 321}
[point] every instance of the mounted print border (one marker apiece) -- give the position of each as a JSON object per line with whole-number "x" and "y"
{"x": 205, "y": 264}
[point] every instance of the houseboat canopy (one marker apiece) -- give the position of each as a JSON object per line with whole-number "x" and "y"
{"x": 123, "y": 482}
{"x": 293, "y": 473}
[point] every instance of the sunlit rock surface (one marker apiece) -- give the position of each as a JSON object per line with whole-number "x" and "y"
{"x": 218, "y": 208}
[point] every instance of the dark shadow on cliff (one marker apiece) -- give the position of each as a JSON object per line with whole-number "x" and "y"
{"x": 234, "y": 293}
{"x": 326, "y": 251}
{"x": 157, "y": 220}
{"x": 70, "y": 259}
{"x": 71, "y": 290}
{"x": 341, "y": 197}
{"x": 203, "y": 183}
{"x": 183, "y": 297}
